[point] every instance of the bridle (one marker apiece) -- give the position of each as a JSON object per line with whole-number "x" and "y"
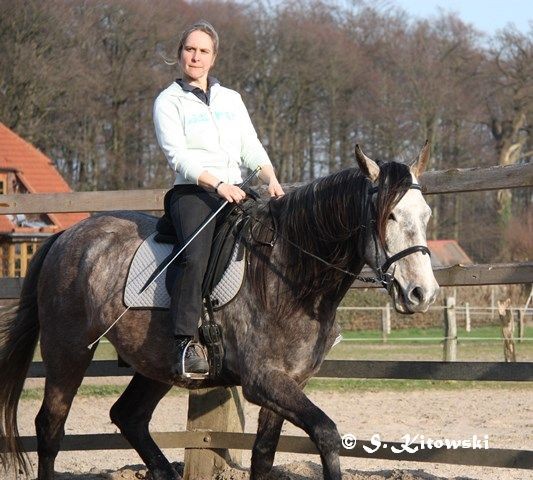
{"x": 382, "y": 271}
{"x": 383, "y": 277}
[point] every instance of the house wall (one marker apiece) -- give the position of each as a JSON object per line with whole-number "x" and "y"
{"x": 14, "y": 257}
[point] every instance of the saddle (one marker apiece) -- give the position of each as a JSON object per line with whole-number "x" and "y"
{"x": 222, "y": 281}
{"x": 225, "y": 270}
{"x": 226, "y": 249}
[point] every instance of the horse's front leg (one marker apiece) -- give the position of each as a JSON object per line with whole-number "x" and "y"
{"x": 278, "y": 392}
{"x": 132, "y": 413}
{"x": 266, "y": 441}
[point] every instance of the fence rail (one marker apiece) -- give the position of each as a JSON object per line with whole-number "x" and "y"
{"x": 491, "y": 457}
{"x": 457, "y": 275}
{"x": 445, "y": 181}
{"x": 480, "y": 371}
{"x": 416, "y": 370}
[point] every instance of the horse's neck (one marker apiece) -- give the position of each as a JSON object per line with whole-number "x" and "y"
{"x": 332, "y": 281}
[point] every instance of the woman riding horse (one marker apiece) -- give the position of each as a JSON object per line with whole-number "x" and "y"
{"x": 303, "y": 252}
{"x": 205, "y": 132}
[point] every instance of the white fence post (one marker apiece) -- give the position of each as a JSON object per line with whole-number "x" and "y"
{"x": 385, "y": 322}
{"x": 468, "y": 325}
{"x": 450, "y": 330}
{"x": 521, "y": 325}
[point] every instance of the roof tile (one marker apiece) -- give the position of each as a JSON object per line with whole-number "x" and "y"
{"x": 36, "y": 171}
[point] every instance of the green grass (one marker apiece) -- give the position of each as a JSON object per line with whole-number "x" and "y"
{"x": 368, "y": 345}
{"x": 84, "y": 390}
{"x": 104, "y": 351}
{"x": 350, "y": 385}
{"x": 424, "y": 333}
{"x": 319, "y": 385}
{"x": 92, "y": 391}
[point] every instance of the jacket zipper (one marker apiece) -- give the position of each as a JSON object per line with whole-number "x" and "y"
{"x": 228, "y": 161}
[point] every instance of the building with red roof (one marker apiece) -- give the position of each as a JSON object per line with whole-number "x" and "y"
{"x": 24, "y": 169}
{"x": 447, "y": 253}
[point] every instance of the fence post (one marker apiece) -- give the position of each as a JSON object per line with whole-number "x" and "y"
{"x": 468, "y": 325}
{"x": 219, "y": 410}
{"x": 385, "y": 322}
{"x": 450, "y": 330}
{"x": 506, "y": 320}
{"x": 520, "y": 316}
{"x": 492, "y": 302}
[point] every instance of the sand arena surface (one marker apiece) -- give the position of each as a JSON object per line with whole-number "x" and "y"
{"x": 506, "y": 416}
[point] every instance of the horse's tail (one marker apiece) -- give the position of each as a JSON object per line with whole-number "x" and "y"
{"x": 19, "y": 331}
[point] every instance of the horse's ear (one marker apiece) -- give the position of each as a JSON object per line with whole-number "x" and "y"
{"x": 367, "y": 165}
{"x": 418, "y": 167}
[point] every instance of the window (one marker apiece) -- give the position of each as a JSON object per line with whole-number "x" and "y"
{"x": 30, "y": 249}
{"x": 18, "y": 267}
{"x": 3, "y": 260}
{"x": 15, "y": 257}
{"x": 3, "y": 183}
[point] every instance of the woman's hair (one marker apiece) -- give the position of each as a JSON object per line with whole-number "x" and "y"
{"x": 202, "y": 26}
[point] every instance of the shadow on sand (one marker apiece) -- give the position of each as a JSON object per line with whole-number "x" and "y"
{"x": 290, "y": 471}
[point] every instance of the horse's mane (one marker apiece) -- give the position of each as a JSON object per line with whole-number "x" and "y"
{"x": 331, "y": 218}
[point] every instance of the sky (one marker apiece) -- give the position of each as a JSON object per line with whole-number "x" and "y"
{"x": 485, "y": 15}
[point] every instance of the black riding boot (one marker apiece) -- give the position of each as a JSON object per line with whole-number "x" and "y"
{"x": 186, "y": 358}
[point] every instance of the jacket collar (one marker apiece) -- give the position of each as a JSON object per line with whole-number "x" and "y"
{"x": 182, "y": 88}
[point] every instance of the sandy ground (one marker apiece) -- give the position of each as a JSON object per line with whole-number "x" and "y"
{"x": 506, "y": 416}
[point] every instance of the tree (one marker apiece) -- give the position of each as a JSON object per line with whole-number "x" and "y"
{"x": 509, "y": 103}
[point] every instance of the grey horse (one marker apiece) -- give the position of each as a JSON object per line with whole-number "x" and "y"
{"x": 276, "y": 332}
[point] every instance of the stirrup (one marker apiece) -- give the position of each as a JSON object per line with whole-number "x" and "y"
{"x": 193, "y": 375}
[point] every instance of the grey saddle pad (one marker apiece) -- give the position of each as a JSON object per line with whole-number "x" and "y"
{"x": 150, "y": 254}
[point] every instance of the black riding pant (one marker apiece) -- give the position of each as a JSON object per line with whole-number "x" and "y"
{"x": 189, "y": 206}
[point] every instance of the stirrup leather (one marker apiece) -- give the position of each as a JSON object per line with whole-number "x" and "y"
{"x": 200, "y": 350}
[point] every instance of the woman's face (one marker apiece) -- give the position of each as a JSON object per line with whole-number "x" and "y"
{"x": 197, "y": 57}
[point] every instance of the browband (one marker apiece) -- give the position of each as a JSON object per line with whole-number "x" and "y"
{"x": 413, "y": 186}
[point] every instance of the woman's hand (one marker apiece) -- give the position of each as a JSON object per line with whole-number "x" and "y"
{"x": 231, "y": 193}
{"x": 268, "y": 175}
{"x": 274, "y": 188}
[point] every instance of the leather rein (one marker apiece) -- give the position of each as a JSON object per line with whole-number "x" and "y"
{"x": 383, "y": 276}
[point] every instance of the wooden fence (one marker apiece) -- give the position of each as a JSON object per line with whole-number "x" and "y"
{"x": 340, "y": 369}
{"x": 450, "y": 181}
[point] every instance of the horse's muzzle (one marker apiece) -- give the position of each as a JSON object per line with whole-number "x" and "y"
{"x": 414, "y": 298}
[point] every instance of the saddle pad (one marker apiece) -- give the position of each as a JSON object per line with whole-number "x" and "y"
{"x": 150, "y": 254}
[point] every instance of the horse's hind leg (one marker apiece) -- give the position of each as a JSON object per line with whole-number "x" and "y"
{"x": 132, "y": 413}
{"x": 266, "y": 441}
{"x": 60, "y": 388}
{"x": 281, "y": 394}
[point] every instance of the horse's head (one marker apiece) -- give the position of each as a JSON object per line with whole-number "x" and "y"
{"x": 397, "y": 250}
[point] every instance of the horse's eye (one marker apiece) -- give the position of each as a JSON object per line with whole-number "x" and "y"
{"x": 392, "y": 217}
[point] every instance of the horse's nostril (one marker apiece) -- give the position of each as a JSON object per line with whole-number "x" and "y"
{"x": 417, "y": 294}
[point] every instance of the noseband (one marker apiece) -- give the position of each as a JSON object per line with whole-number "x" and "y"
{"x": 387, "y": 279}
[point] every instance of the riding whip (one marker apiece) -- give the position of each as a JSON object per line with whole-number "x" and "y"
{"x": 165, "y": 264}
{"x": 159, "y": 270}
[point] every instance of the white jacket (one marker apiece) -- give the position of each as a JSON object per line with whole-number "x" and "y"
{"x": 196, "y": 137}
